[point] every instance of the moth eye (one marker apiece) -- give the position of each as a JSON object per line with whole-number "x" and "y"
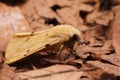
{"x": 47, "y": 45}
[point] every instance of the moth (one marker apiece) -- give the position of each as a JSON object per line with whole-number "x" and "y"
{"x": 22, "y": 45}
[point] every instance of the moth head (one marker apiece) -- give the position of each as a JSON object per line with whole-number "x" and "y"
{"x": 69, "y": 30}
{"x": 73, "y": 31}
{"x": 74, "y": 34}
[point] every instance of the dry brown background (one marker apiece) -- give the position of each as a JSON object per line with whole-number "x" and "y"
{"x": 98, "y": 21}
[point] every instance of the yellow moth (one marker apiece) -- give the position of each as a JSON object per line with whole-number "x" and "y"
{"x": 22, "y": 45}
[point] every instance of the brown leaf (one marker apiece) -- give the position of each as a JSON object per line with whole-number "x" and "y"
{"x": 56, "y": 72}
{"x": 102, "y": 18}
{"x": 11, "y": 21}
{"x": 106, "y": 67}
{"x": 2, "y": 57}
{"x": 115, "y": 1}
{"x": 6, "y": 72}
{"x": 60, "y": 2}
{"x": 68, "y": 17}
{"x": 112, "y": 59}
{"x": 41, "y": 16}
{"x": 83, "y": 14}
{"x": 116, "y": 33}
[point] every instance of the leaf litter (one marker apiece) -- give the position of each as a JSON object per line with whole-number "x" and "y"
{"x": 98, "y": 21}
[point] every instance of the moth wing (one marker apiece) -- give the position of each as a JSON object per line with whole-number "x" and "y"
{"x": 22, "y": 46}
{"x": 27, "y": 33}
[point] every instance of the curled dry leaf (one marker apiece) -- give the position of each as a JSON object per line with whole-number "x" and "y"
{"x": 116, "y": 36}
{"x": 102, "y": 18}
{"x": 40, "y": 16}
{"x": 86, "y": 50}
{"x": 106, "y": 67}
{"x": 55, "y": 72}
{"x": 56, "y": 12}
{"x": 92, "y": 35}
{"x": 69, "y": 16}
{"x": 11, "y": 21}
{"x": 112, "y": 59}
{"x": 116, "y": 33}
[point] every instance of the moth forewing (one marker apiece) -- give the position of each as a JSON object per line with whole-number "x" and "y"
{"x": 25, "y": 44}
{"x": 21, "y": 47}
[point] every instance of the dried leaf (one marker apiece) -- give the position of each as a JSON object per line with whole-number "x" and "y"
{"x": 61, "y": 3}
{"x": 2, "y": 57}
{"x": 106, "y": 67}
{"x": 93, "y": 18}
{"x": 56, "y": 72}
{"x": 115, "y": 1}
{"x": 102, "y": 18}
{"x": 11, "y": 21}
{"x": 6, "y": 72}
{"x": 112, "y": 59}
{"x": 41, "y": 16}
{"x": 116, "y": 33}
{"x": 68, "y": 17}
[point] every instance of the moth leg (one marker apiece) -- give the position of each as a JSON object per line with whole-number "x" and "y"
{"x": 60, "y": 51}
{"x": 78, "y": 39}
{"x": 73, "y": 52}
{"x": 51, "y": 52}
{"x": 32, "y": 66}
